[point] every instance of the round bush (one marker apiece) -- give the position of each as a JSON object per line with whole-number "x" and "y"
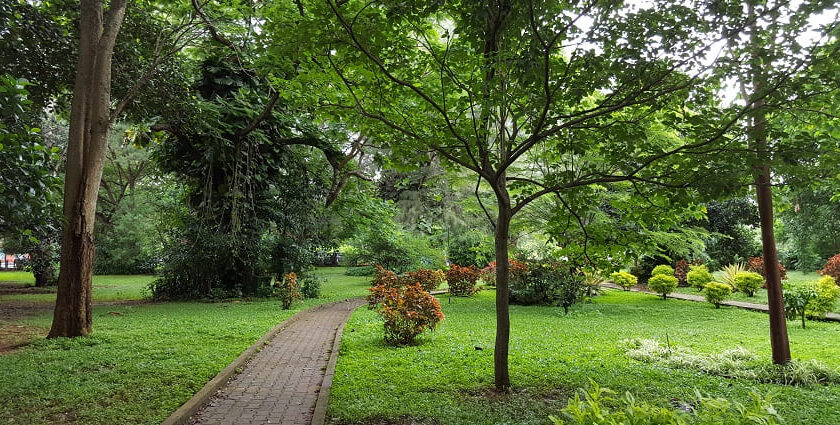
{"x": 716, "y": 292}
{"x": 747, "y": 282}
{"x": 698, "y": 277}
{"x": 832, "y": 268}
{"x": 663, "y": 284}
{"x": 827, "y": 294}
{"x": 462, "y": 280}
{"x": 407, "y": 312}
{"x": 663, "y": 269}
{"x": 624, "y": 280}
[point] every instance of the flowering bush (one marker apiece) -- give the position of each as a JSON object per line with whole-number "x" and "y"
{"x": 716, "y": 292}
{"x": 429, "y": 280}
{"x": 288, "y": 290}
{"x": 756, "y": 264}
{"x": 698, "y": 277}
{"x": 747, "y": 282}
{"x": 663, "y": 284}
{"x": 832, "y": 268}
{"x": 462, "y": 280}
{"x": 624, "y": 280}
{"x": 407, "y": 311}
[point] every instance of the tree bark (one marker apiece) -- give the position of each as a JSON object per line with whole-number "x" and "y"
{"x": 88, "y": 137}
{"x": 502, "y": 237}
{"x": 757, "y": 135}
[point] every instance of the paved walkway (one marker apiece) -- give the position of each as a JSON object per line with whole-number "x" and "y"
{"x": 740, "y": 304}
{"x": 280, "y": 385}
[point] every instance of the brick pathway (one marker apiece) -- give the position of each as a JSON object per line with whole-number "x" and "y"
{"x": 280, "y": 385}
{"x": 834, "y": 317}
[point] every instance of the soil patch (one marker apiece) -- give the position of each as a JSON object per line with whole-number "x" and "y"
{"x": 14, "y": 310}
{"x": 14, "y": 335}
{"x": 17, "y": 289}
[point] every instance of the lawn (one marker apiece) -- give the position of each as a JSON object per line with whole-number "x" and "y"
{"x": 760, "y": 296}
{"x": 445, "y": 378}
{"x": 143, "y": 361}
{"x": 108, "y": 288}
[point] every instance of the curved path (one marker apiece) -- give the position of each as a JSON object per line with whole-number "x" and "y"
{"x": 281, "y": 384}
{"x": 833, "y": 317}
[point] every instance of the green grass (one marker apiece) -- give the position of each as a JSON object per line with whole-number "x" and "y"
{"x": 108, "y": 288}
{"x": 760, "y": 296}
{"x": 143, "y": 361}
{"x": 17, "y": 277}
{"x": 552, "y": 355}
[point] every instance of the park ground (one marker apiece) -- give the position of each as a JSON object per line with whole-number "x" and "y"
{"x": 145, "y": 359}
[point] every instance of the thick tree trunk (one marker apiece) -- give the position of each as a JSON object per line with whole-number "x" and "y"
{"x": 502, "y": 237}
{"x": 89, "y": 126}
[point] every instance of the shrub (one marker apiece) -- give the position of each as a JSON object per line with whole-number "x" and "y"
{"x": 360, "y": 271}
{"x": 682, "y": 268}
{"x": 737, "y": 363}
{"x": 698, "y": 277}
{"x": 407, "y": 311}
{"x": 624, "y": 280}
{"x": 546, "y": 283}
{"x": 310, "y": 286}
{"x": 472, "y": 248}
{"x": 663, "y": 269}
{"x": 756, "y": 264}
{"x": 592, "y": 281}
{"x": 385, "y": 277}
{"x": 729, "y": 272}
{"x": 798, "y": 299}
{"x": 716, "y": 292}
{"x": 593, "y": 407}
{"x": 288, "y": 290}
{"x": 748, "y": 282}
{"x": 663, "y": 284}
{"x": 462, "y": 280}
{"x": 429, "y": 280}
{"x": 827, "y": 294}
{"x": 832, "y": 268}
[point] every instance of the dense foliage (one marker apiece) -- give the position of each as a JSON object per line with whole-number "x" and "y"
{"x": 546, "y": 283}
{"x": 407, "y": 311}
{"x": 698, "y": 277}
{"x": 716, "y": 292}
{"x": 462, "y": 280}
{"x": 663, "y": 284}
{"x": 624, "y": 280}
{"x": 747, "y": 282}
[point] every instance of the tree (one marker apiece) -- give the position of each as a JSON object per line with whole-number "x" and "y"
{"x": 778, "y": 76}
{"x": 29, "y": 182}
{"x": 90, "y": 121}
{"x": 528, "y": 97}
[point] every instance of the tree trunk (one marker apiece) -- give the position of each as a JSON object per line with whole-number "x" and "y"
{"x": 500, "y": 355}
{"x": 88, "y": 137}
{"x": 41, "y": 259}
{"x": 778, "y": 326}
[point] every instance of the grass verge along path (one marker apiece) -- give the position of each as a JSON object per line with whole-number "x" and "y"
{"x": 445, "y": 379}
{"x": 142, "y": 361}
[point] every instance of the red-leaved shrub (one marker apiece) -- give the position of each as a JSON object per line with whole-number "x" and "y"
{"x": 287, "y": 290}
{"x": 681, "y": 270}
{"x": 429, "y": 280}
{"x": 385, "y": 277}
{"x": 407, "y": 311}
{"x": 488, "y": 274}
{"x": 832, "y": 268}
{"x": 756, "y": 264}
{"x": 462, "y": 280}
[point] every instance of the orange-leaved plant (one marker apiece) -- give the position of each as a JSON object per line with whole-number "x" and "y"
{"x": 288, "y": 290}
{"x": 462, "y": 280}
{"x": 407, "y": 311}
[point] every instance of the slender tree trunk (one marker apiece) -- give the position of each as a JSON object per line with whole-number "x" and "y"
{"x": 89, "y": 126}
{"x": 502, "y": 238}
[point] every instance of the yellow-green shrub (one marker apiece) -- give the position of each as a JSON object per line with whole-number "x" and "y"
{"x": 827, "y": 294}
{"x": 663, "y": 284}
{"x": 624, "y": 280}
{"x": 716, "y": 292}
{"x": 698, "y": 277}
{"x": 662, "y": 269}
{"x": 748, "y": 282}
